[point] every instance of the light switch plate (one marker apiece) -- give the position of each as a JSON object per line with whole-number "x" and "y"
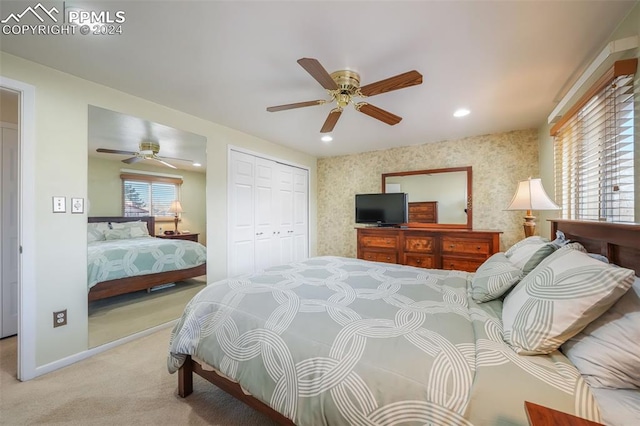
{"x": 59, "y": 204}
{"x": 77, "y": 205}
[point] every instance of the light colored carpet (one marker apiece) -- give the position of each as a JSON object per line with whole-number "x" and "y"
{"x": 127, "y": 385}
{"x": 120, "y": 316}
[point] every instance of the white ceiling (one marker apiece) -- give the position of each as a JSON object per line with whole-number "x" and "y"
{"x": 509, "y": 62}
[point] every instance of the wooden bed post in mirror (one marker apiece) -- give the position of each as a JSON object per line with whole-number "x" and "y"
{"x": 438, "y": 198}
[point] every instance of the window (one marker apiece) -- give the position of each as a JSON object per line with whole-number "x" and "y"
{"x": 594, "y": 151}
{"x": 148, "y": 195}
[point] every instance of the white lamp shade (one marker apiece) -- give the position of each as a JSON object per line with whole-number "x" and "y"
{"x": 176, "y": 207}
{"x": 531, "y": 196}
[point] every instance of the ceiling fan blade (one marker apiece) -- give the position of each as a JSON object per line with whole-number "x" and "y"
{"x": 331, "y": 121}
{"x": 132, "y": 160}
{"x": 172, "y": 158}
{"x": 115, "y": 151}
{"x": 163, "y": 162}
{"x": 400, "y": 81}
{"x": 296, "y": 105}
{"x": 317, "y": 71}
{"x": 378, "y": 113}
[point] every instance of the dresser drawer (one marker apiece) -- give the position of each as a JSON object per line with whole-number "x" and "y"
{"x": 379, "y": 256}
{"x": 379, "y": 241}
{"x": 461, "y": 263}
{"x": 420, "y": 260}
{"x": 464, "y": 245}
{"x": 418, "y": 244}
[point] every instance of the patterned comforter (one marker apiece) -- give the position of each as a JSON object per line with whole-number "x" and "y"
{"x": 115, "y": 259}
{"x": 337, "y": 341}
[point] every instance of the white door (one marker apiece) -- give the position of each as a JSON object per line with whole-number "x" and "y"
{"x": 300, "y": 214}
{"x": 265, "y": 211}
{"x": 9, "y": 157}
{"x": 284, "y": 231}
{"x": 241, "y": 214}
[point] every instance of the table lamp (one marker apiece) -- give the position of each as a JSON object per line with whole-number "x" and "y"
{"x": 176, "y": 208}
{"x": 531, "y": 195}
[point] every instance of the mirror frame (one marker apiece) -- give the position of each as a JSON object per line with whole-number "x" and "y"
{"x": 468, "y": 225}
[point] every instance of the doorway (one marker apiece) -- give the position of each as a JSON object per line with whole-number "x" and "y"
{"x": 9, "y": 161}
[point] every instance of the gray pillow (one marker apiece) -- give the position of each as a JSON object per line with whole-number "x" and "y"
{"x": 528, "y": 253}
{"x": 607, "y": 351}
{"x": 560, "y": 297}
{"x": 95, "y": 231}
{"x": 493, "y": 278}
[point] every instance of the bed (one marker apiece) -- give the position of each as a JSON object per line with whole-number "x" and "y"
{"x": 108, "y": 276}
{"x": 337, "y": 341}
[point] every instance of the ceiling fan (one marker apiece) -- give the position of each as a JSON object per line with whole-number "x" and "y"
{"x": 343, "y": 86}
{"x": 148, "y": 151}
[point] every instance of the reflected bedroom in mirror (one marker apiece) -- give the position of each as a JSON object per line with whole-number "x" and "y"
{"x": 146, "y": 227}
{"x": 437, "y": 198}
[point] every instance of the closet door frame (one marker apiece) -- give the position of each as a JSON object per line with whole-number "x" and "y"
{"x": 230, "y": 212}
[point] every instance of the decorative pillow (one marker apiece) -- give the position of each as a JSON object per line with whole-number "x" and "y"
{"x": 607, "y": 351}
{"x": 137, "y": 228}
{"x": 493, "y": 278}
{"x": 95, "y": 231}
{"x": 535, "y": 240}
{"x": 563, "y": 294}
{"x": 528, "y": 253}
{"x": 117, "y": 234}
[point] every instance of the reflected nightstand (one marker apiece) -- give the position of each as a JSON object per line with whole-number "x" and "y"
{"x": 539, "y": 415}
{"x": 183, "y": 236}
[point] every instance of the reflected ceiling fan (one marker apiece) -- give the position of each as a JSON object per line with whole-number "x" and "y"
{"x": 343, "y": 86}
{"x": 148, "y": 151}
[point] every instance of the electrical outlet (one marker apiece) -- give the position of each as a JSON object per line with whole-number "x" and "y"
{"x": 59, "y": 318}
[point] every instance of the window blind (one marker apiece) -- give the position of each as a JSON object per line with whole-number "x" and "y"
{"x": 147, "y": 197}
{"x": 594, "y": 155}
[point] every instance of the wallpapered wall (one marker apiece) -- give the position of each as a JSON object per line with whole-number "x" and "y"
{"x": 498, "y": 162}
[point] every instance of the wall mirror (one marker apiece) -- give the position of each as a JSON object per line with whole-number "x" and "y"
{"x": 138, "y": 169}
{"x": 438, "y": 198}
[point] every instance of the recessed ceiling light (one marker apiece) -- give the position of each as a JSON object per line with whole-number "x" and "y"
{"x": 197, "y": 165}
{"x": 461, "y": 112}
{"x": 326, "y": 138}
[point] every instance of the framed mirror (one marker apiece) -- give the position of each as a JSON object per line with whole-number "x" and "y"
{"x": 438, "y": 198}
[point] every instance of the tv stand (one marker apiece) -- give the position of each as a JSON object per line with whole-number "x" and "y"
{"x": 460, "y": 249}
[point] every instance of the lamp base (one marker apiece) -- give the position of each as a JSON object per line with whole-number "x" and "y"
{"x": 175, "y": 221}
{"x": 529, "y": 225}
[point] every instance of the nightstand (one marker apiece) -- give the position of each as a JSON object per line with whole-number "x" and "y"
{"x": 543, "y": 416}
{"x": 189, "y": 237}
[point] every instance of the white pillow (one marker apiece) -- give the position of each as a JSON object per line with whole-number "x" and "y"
{"x": 95, "y": 231}
{"x": 607, "y": 351}
{"x": 117, "y": 234}
{"x": 563, "y": 294}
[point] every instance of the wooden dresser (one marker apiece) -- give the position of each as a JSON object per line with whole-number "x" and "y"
{"x": 460, "y": 249}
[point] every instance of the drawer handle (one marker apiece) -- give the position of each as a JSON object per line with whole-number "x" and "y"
{"x": 451, "y": 265}
{"x": 388, "y": 257}
{"x": 419, "y": 261}
{"x": 478, "y": 248}
{"x": 388, "y": 241}
{"x": 452, "y": 246}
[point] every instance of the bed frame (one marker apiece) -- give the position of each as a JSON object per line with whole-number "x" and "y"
{"x": 110, "y": 288}
{"x": 619, "y": 242}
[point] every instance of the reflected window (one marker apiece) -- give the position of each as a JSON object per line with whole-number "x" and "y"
{"x": 148, "y": 195}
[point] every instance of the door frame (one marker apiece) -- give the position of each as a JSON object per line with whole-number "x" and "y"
{"x": 277, "y": 160}
{"x": 26, "y": 227}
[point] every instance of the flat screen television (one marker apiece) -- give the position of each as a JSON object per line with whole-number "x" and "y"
{"x": 382, "y": 209}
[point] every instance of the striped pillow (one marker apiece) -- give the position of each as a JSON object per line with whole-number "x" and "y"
{"x": 493, "y": 278}
{"x": 560, "y": 297}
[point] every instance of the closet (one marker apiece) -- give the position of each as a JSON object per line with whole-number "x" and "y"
{"x": 268, "y": 213}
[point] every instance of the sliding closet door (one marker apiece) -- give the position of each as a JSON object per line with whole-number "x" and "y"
{"x": 268, "y": 213}
{"x": 284, "y": 230}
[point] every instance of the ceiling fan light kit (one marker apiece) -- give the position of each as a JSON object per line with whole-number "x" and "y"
{"x": 344, "y": 85}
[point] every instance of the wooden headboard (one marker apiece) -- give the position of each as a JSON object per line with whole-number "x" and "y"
{"x": 619, "y": 242}
{"x": 150, "y": 220}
